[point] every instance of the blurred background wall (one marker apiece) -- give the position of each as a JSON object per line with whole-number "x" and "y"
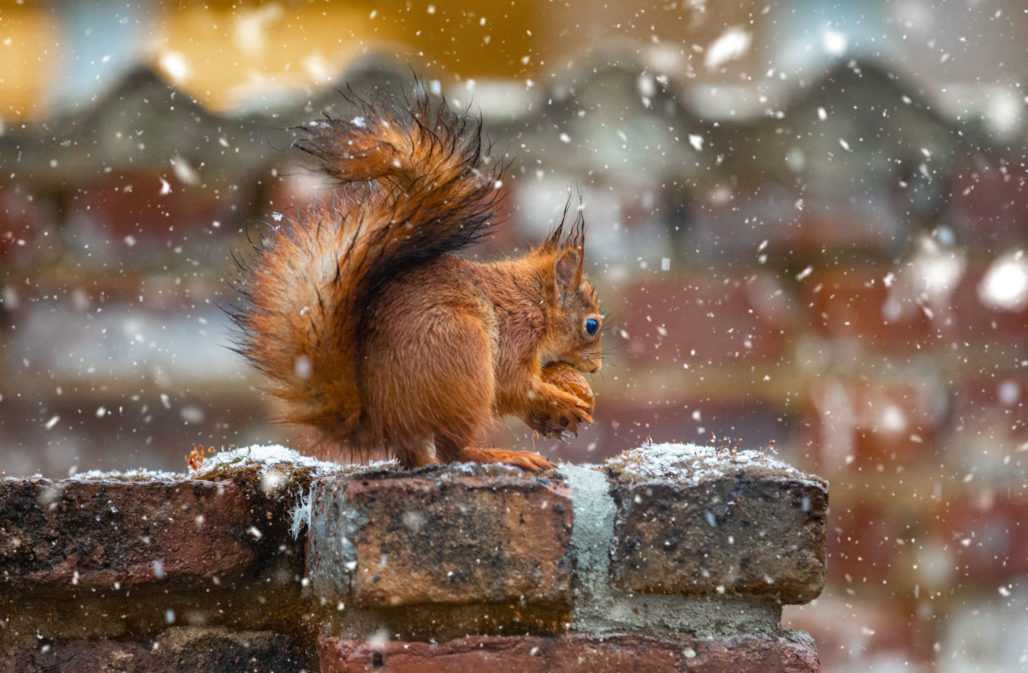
{"x": 807, "y": 220}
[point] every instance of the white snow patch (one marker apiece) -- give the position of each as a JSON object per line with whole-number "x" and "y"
{"x": 302, "y": 514}
{"x": 273, "y": 459}
{"x": 135, "y": 474}
{"x": 268, "y": 456}
{"x": 692, "y": 464}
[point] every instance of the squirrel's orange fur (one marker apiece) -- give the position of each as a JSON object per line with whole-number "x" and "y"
{"x": 379, "y": 338}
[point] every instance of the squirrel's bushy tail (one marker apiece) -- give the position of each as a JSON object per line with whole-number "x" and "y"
{"x": 415, "y": 186}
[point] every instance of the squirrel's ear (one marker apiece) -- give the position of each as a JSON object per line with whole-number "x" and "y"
{"x": 568, "y": 268}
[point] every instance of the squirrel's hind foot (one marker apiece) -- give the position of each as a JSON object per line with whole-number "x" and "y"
{"x": 526, "y": 460}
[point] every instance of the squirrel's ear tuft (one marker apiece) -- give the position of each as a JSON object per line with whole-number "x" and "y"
{"x": 555, "y": 240}
{"x": 568, "y": 268}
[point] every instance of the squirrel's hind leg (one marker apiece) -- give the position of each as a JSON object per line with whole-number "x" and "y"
{"x": 411, "y": 457}
{"x": 526, "y": 460}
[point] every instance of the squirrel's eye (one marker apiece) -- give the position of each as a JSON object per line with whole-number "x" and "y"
{"x": 592, "y": 326}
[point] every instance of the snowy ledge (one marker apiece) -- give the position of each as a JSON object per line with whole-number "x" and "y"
{"x": 682, "y": 463}
{"x": 271, "y": 456}
{"x": 274, "y": 457}
{"x": 691, "y": 464}
{"x": 667, "y": 542}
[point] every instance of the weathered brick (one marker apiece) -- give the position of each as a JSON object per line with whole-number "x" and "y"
{"x": 447, "y": 535}
{"x": 699, "y": 521}
{"x": 80, "y": 656}
{"x": 853, "y": 304}
{"x": 177, "y": 650}
{"x": 102, "y": 533}
{"x": 701, "y": 319}
{"x": 789, "y": 653}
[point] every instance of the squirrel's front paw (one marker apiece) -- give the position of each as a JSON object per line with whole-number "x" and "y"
{"x": 570, "y": 380}
{"x": 560, "y": 415}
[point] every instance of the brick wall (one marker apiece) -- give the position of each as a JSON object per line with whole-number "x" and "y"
{"x": 667, "y": 558}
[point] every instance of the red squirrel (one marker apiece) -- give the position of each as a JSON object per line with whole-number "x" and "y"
{"x": 375, "y": 335}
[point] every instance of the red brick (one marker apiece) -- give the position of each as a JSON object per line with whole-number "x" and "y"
{"x": 853, "y": 304}
{"x": 852, "y": 630}
{"x": 125, "y": 219}
{"x": 810, "y": 232}
{"x": 697, "y": 522}
{"x": 816, "y": 231}
{"x": 862, "y": 543}
{"x": 702, "y": 319}
{"x": 177, "y": 650}
{"x": 886, "y": 421}
{"x": 989, "y": 426}
{"x": 1004, "y": 393}
{"x": 56, "y": 536}
{"x": 453, "y": 535}
{"x": 790, "y": 653}
{"x": 1002, "y": 331}
{"x": 767, "y": 222}
{"x": 989, "y": 200}
{"x": 28, "y": 235}
{"x": 987, "y": 536}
